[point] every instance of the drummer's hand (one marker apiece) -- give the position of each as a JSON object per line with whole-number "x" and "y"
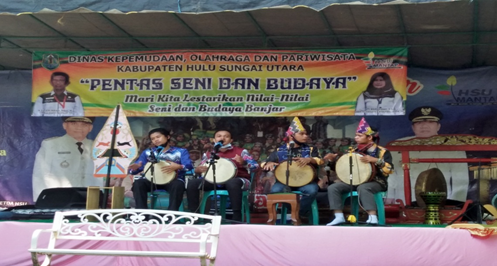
{"x": 269, "y": 166}
{"x": 368, "y": 159}
{"x": 302, "y": 161}
{"x": 135, "y": 166}
{"x": 200, "y": 169}
{"x": 330, "y": 156}
{"x": 171, "y": 168}
{"x": 238, "y": 159}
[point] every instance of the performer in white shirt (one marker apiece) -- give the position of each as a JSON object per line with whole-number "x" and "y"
{"x": 58, "y": 102}
{"x": 66, "y": 161}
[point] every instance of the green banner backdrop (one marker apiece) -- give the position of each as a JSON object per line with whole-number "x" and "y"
{"x": 218, "y": 83}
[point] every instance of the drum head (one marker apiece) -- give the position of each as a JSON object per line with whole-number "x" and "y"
{"x": 431, "y": 180}
{"x": 160, "y": 178}
{"x": 225, "y": 170}
{"x": 361, "y": 172}
{"x": 299, "y": 176}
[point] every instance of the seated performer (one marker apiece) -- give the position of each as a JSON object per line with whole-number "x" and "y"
{"x": 179, "y": 160}
{"x": 235, "y": 186}
{"x": 382, "y": 160}
{"x": 302, "y": 154}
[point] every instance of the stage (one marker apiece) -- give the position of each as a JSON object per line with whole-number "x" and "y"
{"x": 287, "y": 245}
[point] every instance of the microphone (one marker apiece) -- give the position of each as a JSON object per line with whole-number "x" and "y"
{"x": 154, "y": 155}
{"x": 290, "y": 154}
{"x": 159, "y": 149}
{"x": 292, "y": 144}
{"x": 217, "y": 146}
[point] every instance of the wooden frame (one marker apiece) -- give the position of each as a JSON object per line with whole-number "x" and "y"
{"x": 440, "y": 143}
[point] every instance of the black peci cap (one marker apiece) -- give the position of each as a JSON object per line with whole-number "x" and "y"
{"x": 425, "y": 113}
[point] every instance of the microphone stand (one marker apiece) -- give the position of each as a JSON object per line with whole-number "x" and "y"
{"x": 212, "y": 165}
{"x": 111, "y": 158}
{"x": 289, "y": 162}
{"x": 351, "y": 177}
{"x": 151, "y": 168}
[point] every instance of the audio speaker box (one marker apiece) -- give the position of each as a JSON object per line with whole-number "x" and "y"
{"x": 62, "y": 198}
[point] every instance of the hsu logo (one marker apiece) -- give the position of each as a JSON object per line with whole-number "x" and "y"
{"x": 372, "y": 63}
{"x": 465, "y": 96}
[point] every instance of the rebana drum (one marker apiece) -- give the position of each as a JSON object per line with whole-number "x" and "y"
{"x": 160, "y": 178}
{"x": 299, "y": 176}
{"x": 361, "y": 172}
{"x": 225, "y": 170}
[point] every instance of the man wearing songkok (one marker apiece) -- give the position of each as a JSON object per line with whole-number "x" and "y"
{"x": 373, "y": 154}
{"x": 301, "y": 154}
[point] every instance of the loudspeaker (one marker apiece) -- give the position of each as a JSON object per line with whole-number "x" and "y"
{"x": 61, "y": 198}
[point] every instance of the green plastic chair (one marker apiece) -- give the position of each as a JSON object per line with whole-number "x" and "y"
{"x": 314, "y": 219}
{"x": 127, "y": 202}
{"x": 162, "y": 197}
{"x": 380, "y": 205}
{"x": 224, "y": 195}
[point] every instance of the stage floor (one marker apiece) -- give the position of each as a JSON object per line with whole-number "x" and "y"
{"x": 289, "y": 245}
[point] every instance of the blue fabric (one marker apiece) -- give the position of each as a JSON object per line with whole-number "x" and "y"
{"x": 180, "y": 6}
{"x": 173, "y": 154}
{"x": 304, "y": 152}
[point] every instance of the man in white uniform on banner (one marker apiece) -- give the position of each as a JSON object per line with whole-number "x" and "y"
{"x": 66, "y": 161}
{"x": 426, "y": 123}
